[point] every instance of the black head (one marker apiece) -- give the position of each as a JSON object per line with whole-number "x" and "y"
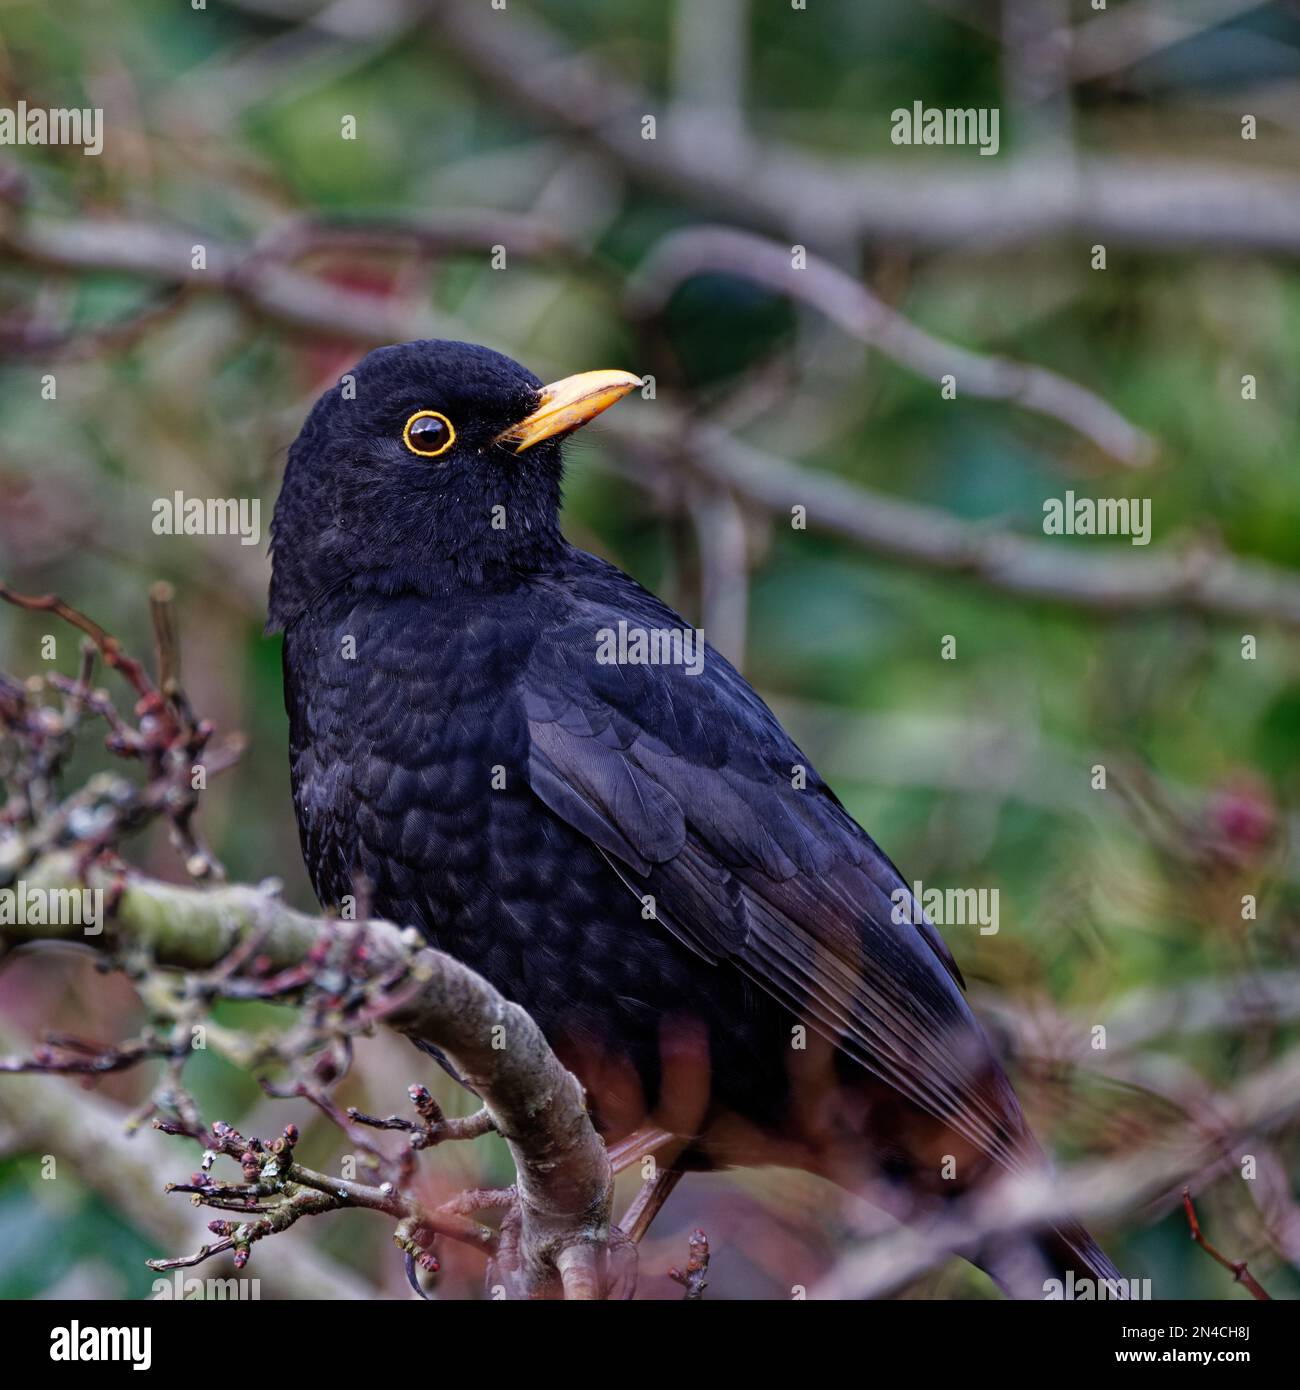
{"x": 431, "y": 464}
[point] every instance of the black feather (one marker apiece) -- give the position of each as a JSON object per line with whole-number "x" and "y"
{"x": 625, "y": 850}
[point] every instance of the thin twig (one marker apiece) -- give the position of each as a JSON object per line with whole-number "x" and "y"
{"x": 1240, "y": 1273}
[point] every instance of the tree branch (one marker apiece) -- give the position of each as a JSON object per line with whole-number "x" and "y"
{"x": 1108, "y": 579}
{"x": 564, "y": 1183}
{"x": 1092, "y": 1192}
{"x": 93, "y": 1136}
{"x": 850, "y": 305}
{"x": 788, "y": 192}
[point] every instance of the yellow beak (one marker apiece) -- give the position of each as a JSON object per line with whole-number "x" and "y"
{"x": 565, "y": 405}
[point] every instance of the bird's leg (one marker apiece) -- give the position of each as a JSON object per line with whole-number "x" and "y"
{"x": 646, "y": 1204}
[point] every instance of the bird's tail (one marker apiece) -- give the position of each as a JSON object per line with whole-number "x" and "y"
{"x": 1064, "y": 1263}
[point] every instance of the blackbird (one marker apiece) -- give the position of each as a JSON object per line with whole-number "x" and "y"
{"x": 517, "y": 748}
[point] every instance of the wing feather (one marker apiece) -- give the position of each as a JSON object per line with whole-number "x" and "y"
{"x": 688, "y": 785}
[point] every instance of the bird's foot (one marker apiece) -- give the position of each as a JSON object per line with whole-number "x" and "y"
{"x": 585, "y": 1265}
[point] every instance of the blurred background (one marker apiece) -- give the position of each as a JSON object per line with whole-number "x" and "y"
{"x": 1114, "y": 292}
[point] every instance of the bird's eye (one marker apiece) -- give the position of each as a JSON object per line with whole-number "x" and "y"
{"x": 428, "y": 434}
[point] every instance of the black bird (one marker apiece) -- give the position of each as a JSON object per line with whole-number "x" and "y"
{"x": 633, "y": 850}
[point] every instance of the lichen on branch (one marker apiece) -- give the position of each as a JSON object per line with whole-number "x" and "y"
{"x": 185, "y": 948}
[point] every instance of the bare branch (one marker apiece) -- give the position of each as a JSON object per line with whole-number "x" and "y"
{"x": 1096, "y": 1192}
{"x": 695, "y": 1277}
{"x": 722, "y": 547}
{"x": 784, "y": 191}
{"x": 92, "y": 1137}
{"x": 1196, "y": 578}
{"x": 1240, "y": 1273}
{"x": 564, "y": 1183}
{"x": 846, "y": 302}
{"x": 286, "y": 296}
{"x": 1114, "y": 40}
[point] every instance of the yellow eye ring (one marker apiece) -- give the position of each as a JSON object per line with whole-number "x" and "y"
{"x": 435, "y": 436}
